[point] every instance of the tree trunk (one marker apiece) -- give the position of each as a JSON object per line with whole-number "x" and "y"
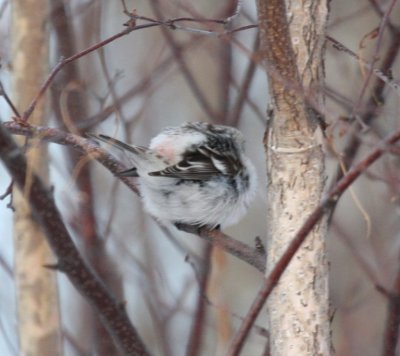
{"x": 292, "y": 55}
{"x": 39, "y": 330}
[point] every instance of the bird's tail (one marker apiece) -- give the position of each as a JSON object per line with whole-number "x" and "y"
{"x": 139, "y": 150}
{"x": 140, "y": 153}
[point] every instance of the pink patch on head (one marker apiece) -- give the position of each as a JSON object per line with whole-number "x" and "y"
{"x": 167, "y": 150}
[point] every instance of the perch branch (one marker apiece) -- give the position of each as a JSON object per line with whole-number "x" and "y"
{"x": 44, "y": 209}
{"x": 230, "y": 245}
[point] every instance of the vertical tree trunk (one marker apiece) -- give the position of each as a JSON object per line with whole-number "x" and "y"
{"x": 36, "y": 286}
{"x": 292, "y": 55}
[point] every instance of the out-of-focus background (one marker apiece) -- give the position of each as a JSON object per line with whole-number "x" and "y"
{"x": 157, "y": 77}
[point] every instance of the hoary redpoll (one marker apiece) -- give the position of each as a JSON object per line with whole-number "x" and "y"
{"x": 193, "y": 174}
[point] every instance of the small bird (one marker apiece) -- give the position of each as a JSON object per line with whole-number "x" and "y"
{"x": 194, "y": 174}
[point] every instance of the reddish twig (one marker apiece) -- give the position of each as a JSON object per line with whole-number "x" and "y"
{"x": 327, "y": 202}
{"x": 377, "y": 8}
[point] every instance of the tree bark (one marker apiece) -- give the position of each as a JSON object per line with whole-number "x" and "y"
{"x": 291, "y": 47}
{"x": 37, "y": 294}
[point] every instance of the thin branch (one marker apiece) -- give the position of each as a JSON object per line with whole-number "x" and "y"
{"x": 377, "y": 8}
{"x": 6, "y": 267}
{"x": 9, "y": 102}
{"x": 228, "y": 244}
{"x": 341, "y": 47}
{"x": 236, "y": 12}
{"x": 7, "y": 192}
{"x": 326, "y": 204}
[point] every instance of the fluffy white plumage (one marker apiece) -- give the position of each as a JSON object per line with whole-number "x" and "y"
{"x": 195, "y": 174}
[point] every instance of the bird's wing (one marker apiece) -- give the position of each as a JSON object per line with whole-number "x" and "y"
{"x": 202, "y": 164}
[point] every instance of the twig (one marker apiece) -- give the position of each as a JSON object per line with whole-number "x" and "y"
{"x": 234, "y": 247}
{"x": 4, "y": 94}
{"x": 377, "y": 8}
{"x": 7, "y": 192}
{"x": 327, "y": 202}
{"x": 341, "y": 47}
{"x": 6, "y": 267}
{"x": 236, "y": 13}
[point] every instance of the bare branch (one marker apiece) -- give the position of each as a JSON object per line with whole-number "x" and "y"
{"x": 81, "y": 144}
{"x": 4, "y": 94}
{"x": 69, "y": 260}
